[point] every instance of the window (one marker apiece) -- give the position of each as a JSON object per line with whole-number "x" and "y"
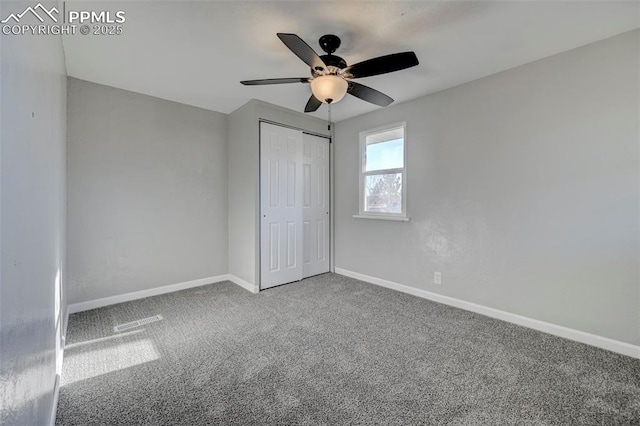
{"x": 383, "y": 189}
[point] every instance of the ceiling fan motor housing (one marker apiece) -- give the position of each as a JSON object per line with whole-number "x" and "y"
{"x": 334, "y": 63}
{"x": 330, "y": 43}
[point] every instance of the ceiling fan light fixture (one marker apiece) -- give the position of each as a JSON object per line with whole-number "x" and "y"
{"x": 329, "y": 88}
{"x": 331, "y": 75}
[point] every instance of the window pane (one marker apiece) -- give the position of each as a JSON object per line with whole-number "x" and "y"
{"x": 385, "y": 155}
{"x": 383, "y": 193}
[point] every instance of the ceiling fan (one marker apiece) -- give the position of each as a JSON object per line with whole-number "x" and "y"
{"x": 331, "y": 77}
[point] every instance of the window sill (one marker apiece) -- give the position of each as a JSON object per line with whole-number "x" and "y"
{"x": 381, "y": 217}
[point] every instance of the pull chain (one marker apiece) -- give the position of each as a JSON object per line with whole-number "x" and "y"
{"x": 329, "y": 119}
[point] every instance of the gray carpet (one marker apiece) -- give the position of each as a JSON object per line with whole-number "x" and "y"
{"x": 331, "y": 350}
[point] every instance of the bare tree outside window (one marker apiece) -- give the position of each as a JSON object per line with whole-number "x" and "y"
{"x": 384, "y": 193}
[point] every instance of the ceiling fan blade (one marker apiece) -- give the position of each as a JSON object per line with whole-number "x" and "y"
{"x": 302, "y": 50}
{"x": 368, "y": 94}
{"x": 275, "y": 81}
{"x": 382, "y": 65}
{"x": 312, "y": 104}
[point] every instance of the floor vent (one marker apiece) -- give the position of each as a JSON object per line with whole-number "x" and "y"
{"x": 137, "y": 323}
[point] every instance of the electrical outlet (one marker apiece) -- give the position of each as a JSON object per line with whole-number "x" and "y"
{"x": 437, "y": 278}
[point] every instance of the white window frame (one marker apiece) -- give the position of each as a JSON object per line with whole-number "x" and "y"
{"x": 402, "y": 216}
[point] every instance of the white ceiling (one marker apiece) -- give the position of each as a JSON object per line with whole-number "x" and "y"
{"x": 197, "y": 52}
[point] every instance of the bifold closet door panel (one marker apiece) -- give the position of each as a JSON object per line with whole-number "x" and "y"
{"x": 315, "y": 205}
{"x": 281, "y": 233}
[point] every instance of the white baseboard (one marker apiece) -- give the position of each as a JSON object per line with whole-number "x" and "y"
{"x": 56, "y": 394}
{"x": 56, "y": 386}
{"x": 242, "y": 283}
{"x": 557, "y": 330}
{"x": 112, "y": 300}
{"x": 66, "y": 324}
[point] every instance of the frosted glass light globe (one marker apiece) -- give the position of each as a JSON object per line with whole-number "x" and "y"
{"x": 329, "y": 88}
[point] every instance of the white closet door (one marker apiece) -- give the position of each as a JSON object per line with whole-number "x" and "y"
{"x": 280, "y": 205}
{"x": 315, "y": 205}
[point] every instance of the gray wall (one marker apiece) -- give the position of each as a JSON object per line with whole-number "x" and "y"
{"x": 32, "y": 232}
{"x": 147, "y": 188}
{"x": 244, "y": 179}
{"x": 522, "y": 190}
